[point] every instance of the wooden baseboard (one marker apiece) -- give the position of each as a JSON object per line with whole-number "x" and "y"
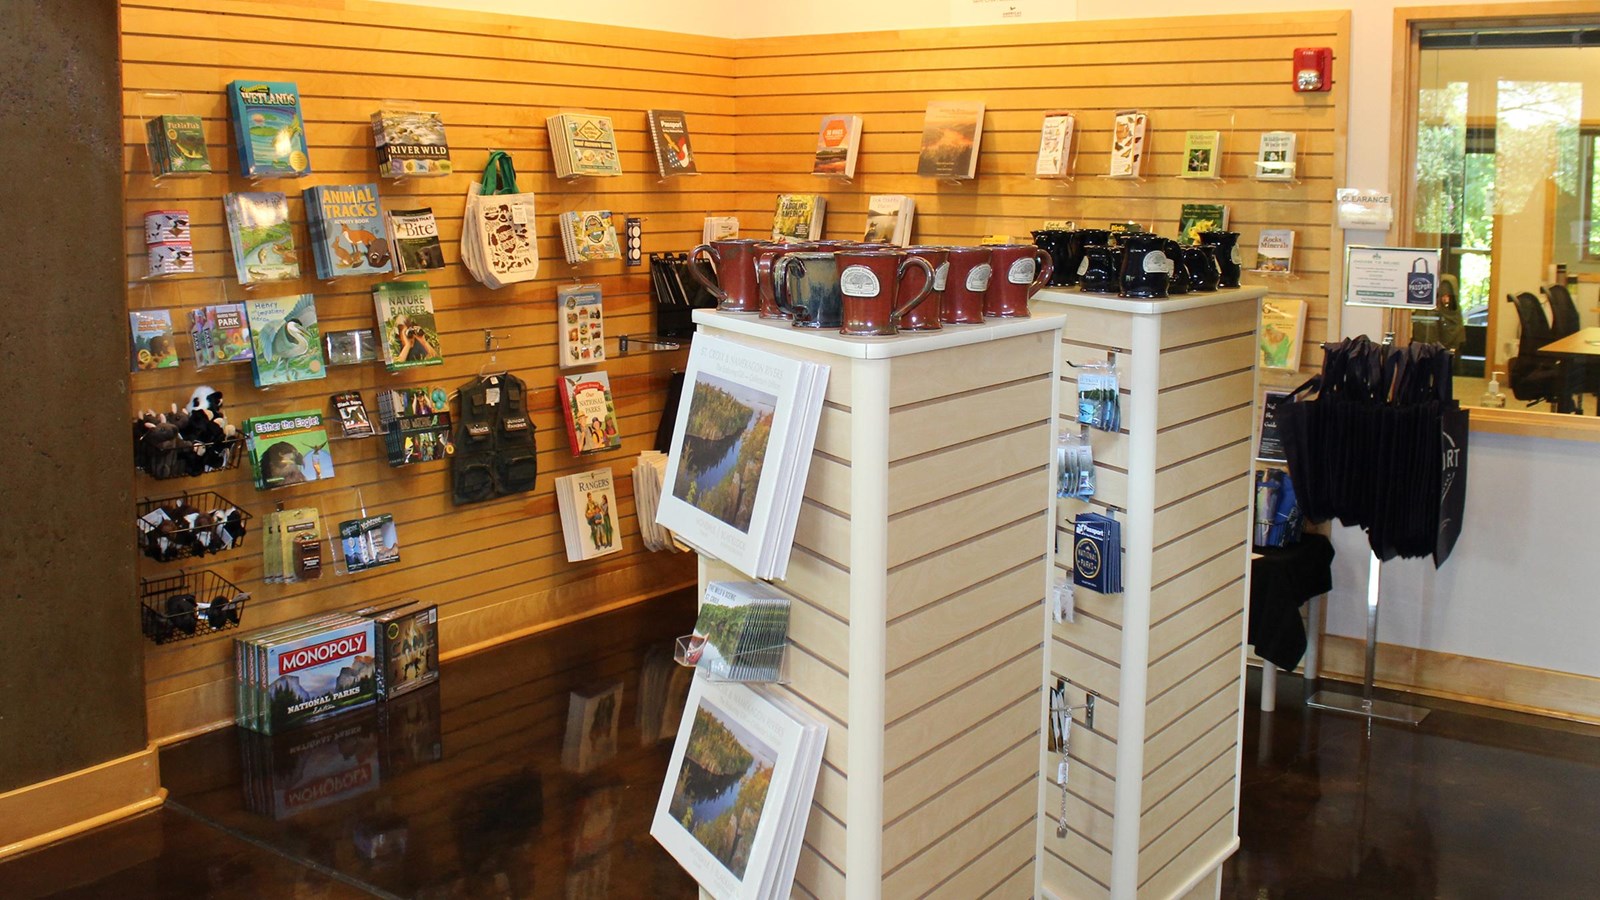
{"x": 73, "y": 803}
{"x": 1488, "y": 682}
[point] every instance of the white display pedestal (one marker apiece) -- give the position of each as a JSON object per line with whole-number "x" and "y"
{"x": 920, "y": 566}
{"x": 1153, "y": 804}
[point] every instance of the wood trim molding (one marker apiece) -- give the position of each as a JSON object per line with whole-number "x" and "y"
{"x": 1527, "y": 423}
{"x": 1486, "y": 682}
{"x": 73, "y": 803}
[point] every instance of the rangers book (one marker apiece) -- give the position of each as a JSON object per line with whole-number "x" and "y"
{"x": 287, "y": 342}
{"x": 590, "y": 413}
{"x": 410, "y": 143}
{"x": 152, "y": 345}
{"x": 951, "y": 133}
{"x": 838, "y": 142}
{"x": 262, "y": 240}
{"x": 347, "y": 233}
{"x": 590, "y": 517}
{"x": 1202, "y": 154}
{"x": 415, "y": 235}
{"x": 289, "y": 448}
{"x": 669, "y": 135}
{"x": 580, "y": 323}
{"x": 798, "y": 217}
{"x": 268, "y": 129}
{"x": 406, "y": 326}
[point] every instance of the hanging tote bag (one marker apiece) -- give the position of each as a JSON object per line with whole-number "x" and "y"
{"x": 498, "y": 243}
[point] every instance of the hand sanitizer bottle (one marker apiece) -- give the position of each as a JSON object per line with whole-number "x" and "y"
{"x": 1492, "y": 398}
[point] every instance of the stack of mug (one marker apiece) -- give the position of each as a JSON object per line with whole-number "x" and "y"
{"x": 873, "y": 289}
{"x": 1140, "y": 264}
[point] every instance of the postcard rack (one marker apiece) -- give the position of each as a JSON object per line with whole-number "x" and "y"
{"x": 189, "y": 604}
{"x": 220, "y": 525}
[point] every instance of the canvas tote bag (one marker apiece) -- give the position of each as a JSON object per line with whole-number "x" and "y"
{"x": 498, "y": 243}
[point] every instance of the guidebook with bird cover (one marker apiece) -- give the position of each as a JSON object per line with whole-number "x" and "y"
{"x": 286, "y": 339}
{"x": 289, "y": 448}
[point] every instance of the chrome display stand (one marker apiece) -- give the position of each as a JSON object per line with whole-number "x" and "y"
{"x": 1364, "y": 705}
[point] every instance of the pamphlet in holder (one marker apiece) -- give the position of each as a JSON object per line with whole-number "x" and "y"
{"x": 174, "y": 139}
{"x": 1205, "y": 147}
{"x": 750, "y": 665}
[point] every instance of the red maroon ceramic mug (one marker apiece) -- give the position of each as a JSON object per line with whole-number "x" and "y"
{"x": 870, "y": 285}
{"x": 925, "y": 315}
{"x": 965, "y": 284}
{"x": 735, "y": 260}
{"x": 766, "y": 256}
{"x": 1020, "y": 270}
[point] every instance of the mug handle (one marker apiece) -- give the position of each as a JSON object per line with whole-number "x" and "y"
{"x": 766, "y": 276}
{"x": 927, "y": 284}
{"x": 780, "y": 287}
{"x": 716, "y": 263}
{"x": 1047, "y": 267}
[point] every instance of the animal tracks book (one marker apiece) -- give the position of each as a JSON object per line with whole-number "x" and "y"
{"x": 590, "y": 413}
{"x": 738, "y": 790}
{"x": 669, "y": 135}
{"x": 951, "y": 132}
{"x": 286, "y": 338}
{"x": 347, "y": 233}
{"x": 262, "y": 240}
{"x": 590, "y": 517}
{"x": 838, "y": 143}
{"x": 741, "y": 449}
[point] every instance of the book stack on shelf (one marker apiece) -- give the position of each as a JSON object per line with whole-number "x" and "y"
{"x": 798, "y": 217}
{"x": 261, "y": 237}
{"x": 407, "y": 329}
{"x": 669, "y": 136}
{"x": 268, "y": 129}
{"x": 583, "y": 144}
{"x": 416, "y": 424}
{"x": 889, "y": 219}
{"x": 838, "y": 144}
{"x": 414, "y": 239}
{"x": 347, "y": 233}
{"x": 649, "y": 475}
{"x": 719, "y": 228}
{"x": 741, "y": 633}
{"x": 590, "y": 413}
{"x": 741, "y": 449}
{"x": 771, "y": 752}
{"x": 589, "y": 236}
{"x": 410, "y": 143}
{"x": 581, "y": 325}
{"x": 590, "y": 516}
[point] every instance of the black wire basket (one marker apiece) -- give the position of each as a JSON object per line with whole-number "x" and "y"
{"x": 220, "y": 527}
{"x": 188, "y": 605}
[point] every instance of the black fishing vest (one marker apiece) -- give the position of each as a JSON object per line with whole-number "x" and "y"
{"x": 495, "y": 453}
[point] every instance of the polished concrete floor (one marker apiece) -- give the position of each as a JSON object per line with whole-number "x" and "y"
{"x": 483, "y": 787}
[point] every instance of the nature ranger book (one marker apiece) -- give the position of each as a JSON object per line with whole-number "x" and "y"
{"x": 669, "y": 135}
{"x": 268, "y": 129}
{"x": 407, "y": 330}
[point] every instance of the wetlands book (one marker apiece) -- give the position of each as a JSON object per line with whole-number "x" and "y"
{"x": 286, "y": 339}
{"x": 951, "y": 132}
{"x": 590, "y": 516}
{"x": 590, "y": 413}
{"x": 580, "y": 323}
{"x": 407, "y": 330}
{"x": 838, "y": 142}
{"x": 1202, "y": 154}
{"x": 738, "y": 790}
{"x": 741, "y": 449}
{"x": 1055, "y": 146}
{"x": 415, "y": 236}
{"x": 1194, "y": 218}
{"x": 347, "y": 233}
{"x": 262, "y": 240}
{"x": 268, "y": 129}
{"x": 669, "y": 135}
{"x": 798, "y": 217}
{"x": 1275, "y": 251}
{"x": 410, "y": 143}
{"x": 288, "y": 448}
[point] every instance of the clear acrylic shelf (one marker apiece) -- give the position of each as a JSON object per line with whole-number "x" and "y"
{"x": 757, "y": 665}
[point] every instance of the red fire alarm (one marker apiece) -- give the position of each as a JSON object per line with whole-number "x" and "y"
{"x": 1313, "y": 69}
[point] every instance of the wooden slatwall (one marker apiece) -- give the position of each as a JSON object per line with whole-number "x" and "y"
{"x": 1213, "y": 73}
{"x": 1198, "y": 411}
{"x": 495, "y": 568}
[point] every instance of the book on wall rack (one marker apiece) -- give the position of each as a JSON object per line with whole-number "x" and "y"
{"x": 838, "y": 143}
{"x": 410, "y": 143}
{"x": 798, "y": 217}
{"x": 1202, "y": 154}
{"x": 1194, "y": 218}
{"x": 416, "y": 424}
{"x": 649, "y": 472}
{"x": 1283, "y": 327}
{"x": 1127, "y": 143}
{"x": 590, "y": 516}
{"x": 951, "y": 133}
{"x": 220, "y": 334}
{"x": 669, "y": 136}
{"x": 741, "y": 631}
{"x": 286, "y": 339}
{"x": 177, "y": 145}
{"x": 286, "y": 449}
{"x": 748, "y": 845}
{"x": 583, "y": 144}
{"x": 580, "y": 323}
{"x": 268, "y": 129}
{"x": 347, "y": 233}
{"x": 1275, "y": 158}
{"x": 740, "y": 453}
{"x": 407, "y": 329}
{"x": 889, "y": 219}
{"x": 590, "y": 413}
{"x": 151, "y": 344}
{"x": 719, "y": 228}
{"x": 414, "y": 234}
{"x": 1055, "y": 145}
{"x": 261, "y": 237}
{"x": 1275, "y": 251}
{"x": 589, "y": 236}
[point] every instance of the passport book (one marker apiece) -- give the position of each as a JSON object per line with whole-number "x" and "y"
{"x": 1097, "y": 553}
